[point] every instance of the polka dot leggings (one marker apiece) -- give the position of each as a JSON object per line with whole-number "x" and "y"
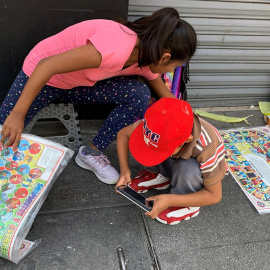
{"x": 130, "y": 96}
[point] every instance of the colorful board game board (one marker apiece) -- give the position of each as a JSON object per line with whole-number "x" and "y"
{"x": 248, "y": 159}
{"x": 26, "y": 176}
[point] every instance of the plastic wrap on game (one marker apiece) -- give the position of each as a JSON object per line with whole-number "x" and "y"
{"x": 248, "y": 159}
{"x": 26, "y": 177}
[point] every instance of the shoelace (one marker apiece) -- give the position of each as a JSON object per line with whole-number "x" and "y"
{"x": 142, "y": 174}
{"x": 102, "y": 160}
{"x": 174, "y": 208}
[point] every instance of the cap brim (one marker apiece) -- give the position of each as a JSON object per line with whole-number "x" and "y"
{"x": 143, "y": 153}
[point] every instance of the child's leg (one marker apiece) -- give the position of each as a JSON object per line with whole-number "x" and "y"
{"x": 130, "y": 96}
{"x": 46, "y": 95}
{"x": 185, "y": 178}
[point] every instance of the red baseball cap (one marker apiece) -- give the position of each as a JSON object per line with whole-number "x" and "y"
{"x": 167, "y": 124}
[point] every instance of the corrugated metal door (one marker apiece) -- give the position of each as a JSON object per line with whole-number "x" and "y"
{"x": 232, "y": 63}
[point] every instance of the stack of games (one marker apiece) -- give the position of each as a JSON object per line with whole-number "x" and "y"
{"x": 26, "y": 177}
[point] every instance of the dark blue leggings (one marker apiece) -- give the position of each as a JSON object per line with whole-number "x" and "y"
{"x": 131, "y": 96}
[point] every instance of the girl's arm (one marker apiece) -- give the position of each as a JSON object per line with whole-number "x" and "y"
{"x": 122, "y": 151}
{"x": 208, "y": 196}
{"x": 80, "y": 58}
{"x": 159, "y": 87}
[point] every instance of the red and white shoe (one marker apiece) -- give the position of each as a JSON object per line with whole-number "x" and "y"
{"x": 173, "y": 215}
{"x": 146, "y": 180}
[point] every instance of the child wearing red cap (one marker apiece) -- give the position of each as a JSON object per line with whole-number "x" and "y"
{"x": 179, "y": 149}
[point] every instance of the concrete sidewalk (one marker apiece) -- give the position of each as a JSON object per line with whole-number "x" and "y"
{"x": 83, "y": 221}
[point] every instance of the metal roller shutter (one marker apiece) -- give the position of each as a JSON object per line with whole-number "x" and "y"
{"x": 232, "y": 62}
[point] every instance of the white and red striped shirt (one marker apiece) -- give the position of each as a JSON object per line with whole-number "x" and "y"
{"x": 208, "y": 148}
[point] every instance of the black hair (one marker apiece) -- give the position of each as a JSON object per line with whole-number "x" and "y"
{"x": 163, "y": 30}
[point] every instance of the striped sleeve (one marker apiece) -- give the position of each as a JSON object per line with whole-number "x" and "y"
{"x": 211, "y": 158}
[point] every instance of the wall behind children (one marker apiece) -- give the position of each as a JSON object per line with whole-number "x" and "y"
{"x": 24, "y": 23}
{"x": 231, "y": 64}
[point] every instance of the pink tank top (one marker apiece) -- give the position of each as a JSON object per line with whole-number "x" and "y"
{"x": 114, "y": 41}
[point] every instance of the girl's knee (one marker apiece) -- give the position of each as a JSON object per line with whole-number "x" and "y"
{"x": 142, "y": 93}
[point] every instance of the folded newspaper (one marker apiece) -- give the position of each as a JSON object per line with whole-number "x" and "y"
{"x": 26, "y": 177}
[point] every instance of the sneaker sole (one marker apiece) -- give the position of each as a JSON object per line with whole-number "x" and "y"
{"x": 176, "y": 222}
{"x": 82, "y": 165}
{"x": 157, "y": 188}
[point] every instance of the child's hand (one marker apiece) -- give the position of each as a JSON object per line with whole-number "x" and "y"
{"x": 124, "y": 179}
{"x": 12, "y": 129}
{"x": 161, "y": 203}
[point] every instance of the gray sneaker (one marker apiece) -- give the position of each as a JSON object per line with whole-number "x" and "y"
{"x": 99, "y": 165}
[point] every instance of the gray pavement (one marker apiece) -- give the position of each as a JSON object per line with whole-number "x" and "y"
{"x": 83, "y": 221}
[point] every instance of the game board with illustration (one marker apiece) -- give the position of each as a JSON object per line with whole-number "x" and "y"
{"x": 26, "y": 177}
{"x": 248, "y": 159}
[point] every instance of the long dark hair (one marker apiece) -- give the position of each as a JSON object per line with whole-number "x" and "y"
{"x": 163, "y": 30}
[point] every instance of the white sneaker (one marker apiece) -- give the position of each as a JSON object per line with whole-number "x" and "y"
{"x": 99, "y": 165}
{"x": 173, "y": 215}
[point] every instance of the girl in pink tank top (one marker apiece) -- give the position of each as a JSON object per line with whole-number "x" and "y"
{"x": 90, "y": 63}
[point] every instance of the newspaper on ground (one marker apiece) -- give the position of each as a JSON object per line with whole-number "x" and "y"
{"x": 248, "y": 159}
{"x": 26, "y": 177}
